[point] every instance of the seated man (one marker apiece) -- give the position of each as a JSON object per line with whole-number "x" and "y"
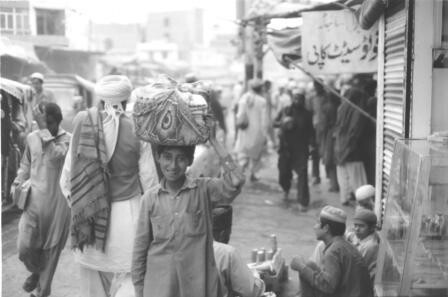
{"x": 342, "y": 271}
{"x": 367, "y": 240}
{"x": 235, "y": 275}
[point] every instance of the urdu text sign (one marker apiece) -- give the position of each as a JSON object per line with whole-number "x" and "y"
{"x": 333, "y": 42}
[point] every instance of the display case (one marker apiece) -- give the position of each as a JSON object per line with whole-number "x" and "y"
{"x": 413, "y": 254}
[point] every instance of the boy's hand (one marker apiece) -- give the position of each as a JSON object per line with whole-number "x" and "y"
{"x": 237, "y": 177}
{"x": 236, "y": 174}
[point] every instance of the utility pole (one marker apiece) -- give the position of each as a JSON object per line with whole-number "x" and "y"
{"x": 245, "y": 33}
{"x": 258, "y": 40}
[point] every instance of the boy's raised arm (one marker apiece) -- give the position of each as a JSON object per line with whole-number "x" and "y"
{"x": 229, "y": 186}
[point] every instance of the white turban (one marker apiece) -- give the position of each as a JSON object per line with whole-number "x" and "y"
{"x": 113, "y": 89}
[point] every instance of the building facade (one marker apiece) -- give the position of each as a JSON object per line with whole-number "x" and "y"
{"x": 184, "y": 28}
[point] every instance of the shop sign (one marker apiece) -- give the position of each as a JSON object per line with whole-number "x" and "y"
{"x": 333, "y": 42}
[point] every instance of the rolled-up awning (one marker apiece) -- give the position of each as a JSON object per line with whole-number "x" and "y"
{"x": 286, "y": 45}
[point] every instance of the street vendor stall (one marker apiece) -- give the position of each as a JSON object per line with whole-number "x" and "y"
{"x": 270, "y": 265}
{"x": 413, "y": 255}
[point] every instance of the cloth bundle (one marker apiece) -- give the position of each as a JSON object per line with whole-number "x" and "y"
{"x": 168, "y": 113}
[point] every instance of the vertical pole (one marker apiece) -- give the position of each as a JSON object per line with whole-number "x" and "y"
{"x": 258, "y": 41}
{"x": 249, "y": 48}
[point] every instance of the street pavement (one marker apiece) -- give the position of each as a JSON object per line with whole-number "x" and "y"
{"x": 258, "y": 213}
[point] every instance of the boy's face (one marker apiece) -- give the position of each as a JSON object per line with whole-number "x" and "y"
{"x": 362, "y": 230}
{"x": 173, "y": 163}
{"x": 319, "y": 230}
{"x": 367, "y": 203}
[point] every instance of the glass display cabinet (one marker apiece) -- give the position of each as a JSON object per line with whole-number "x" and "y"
{"x": 413, "y": 254}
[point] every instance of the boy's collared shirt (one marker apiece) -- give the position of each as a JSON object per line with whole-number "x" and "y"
{"x": 368, "y": 247}
{"x": 173, "y": 252}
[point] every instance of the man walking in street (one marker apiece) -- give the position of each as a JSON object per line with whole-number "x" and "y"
{"x": 252, "y": 125}
{"x": 296, "y": 131}
{"x": 44, "y": 224}
{"x": 350, "y": 127}
{"x": 342, "y": 271}
{"x": 315, "y": 105}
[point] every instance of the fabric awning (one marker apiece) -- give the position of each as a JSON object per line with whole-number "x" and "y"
{"x": 285, "y": 45}
{"x": 18, "y": 49}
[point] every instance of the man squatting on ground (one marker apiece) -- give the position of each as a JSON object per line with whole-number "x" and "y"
{"x": 342, "y": 271}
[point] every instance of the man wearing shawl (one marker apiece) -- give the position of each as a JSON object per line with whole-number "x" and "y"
{"x": 105, "y": 173}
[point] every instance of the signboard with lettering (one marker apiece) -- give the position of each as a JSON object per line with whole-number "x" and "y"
{"x": 333, "y": 42}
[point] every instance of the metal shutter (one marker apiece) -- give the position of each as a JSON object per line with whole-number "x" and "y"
{"x": 395, "y": 107}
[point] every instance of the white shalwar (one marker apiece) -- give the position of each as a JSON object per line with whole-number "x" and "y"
{"x": 104, "y": 274}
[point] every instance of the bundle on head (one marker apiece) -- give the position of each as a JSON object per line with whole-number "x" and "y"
{"x": 168, "y": 113}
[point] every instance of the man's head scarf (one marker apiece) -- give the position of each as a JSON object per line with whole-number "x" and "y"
{"x": 113, "y": 89}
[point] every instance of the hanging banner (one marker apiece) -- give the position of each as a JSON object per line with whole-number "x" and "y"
{"x": 333, "y": 42}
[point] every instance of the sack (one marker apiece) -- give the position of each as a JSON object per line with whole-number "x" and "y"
{"x": 22, "y": 194}
{"x": 242, "y": 121}
{"x": 168, "y": 113}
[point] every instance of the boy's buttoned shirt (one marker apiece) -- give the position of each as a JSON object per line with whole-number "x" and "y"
{"x": 173, "y": 252}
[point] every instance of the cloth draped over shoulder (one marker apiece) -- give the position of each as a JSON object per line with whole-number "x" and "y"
{"x": 89, "y": 182}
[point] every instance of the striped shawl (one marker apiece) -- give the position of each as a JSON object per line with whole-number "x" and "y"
{"x": 89, "y": 182}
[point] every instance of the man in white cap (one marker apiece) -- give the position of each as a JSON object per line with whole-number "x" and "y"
{"x": 365, "y": 197}
{"x": 105, "y": 173}
{"x": 342, "y": 271}
{"x": 40, "y": 94}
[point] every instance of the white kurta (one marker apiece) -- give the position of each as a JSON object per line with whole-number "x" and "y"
{"x": 117, "y": 256}
{"x": 250, "y": 141}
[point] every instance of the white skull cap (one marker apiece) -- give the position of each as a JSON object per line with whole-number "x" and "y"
{"x": 364, "y": 192}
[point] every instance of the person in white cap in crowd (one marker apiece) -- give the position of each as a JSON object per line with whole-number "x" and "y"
{"x": 366, "y": 240}
{"x": 252, "y": 128}
{"x": 342, "y": 271}
{"x": 283, "y": 98}
{"x": 105, "y": 173}
{"x": 40, "y": 94}
{"x": 365, "y": 197}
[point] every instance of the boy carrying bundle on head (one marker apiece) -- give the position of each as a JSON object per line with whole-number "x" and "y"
{"x": 173, "y": 249}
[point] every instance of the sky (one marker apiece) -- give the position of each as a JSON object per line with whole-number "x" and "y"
{"x": 132, "y": 11}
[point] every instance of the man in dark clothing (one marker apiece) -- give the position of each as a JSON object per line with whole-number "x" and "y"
{"x": 350, "y": 127}
{"x": 296, "y": 130}
{"x": 342, "y": 271}
{"x": 318, "y": 118}
{"x": 369, "y": 141}
{"x": 329, "y": 110}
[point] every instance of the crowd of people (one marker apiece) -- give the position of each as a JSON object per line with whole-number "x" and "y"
{"x": 311, "y": 123}
{"x": 140, "y": 226}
